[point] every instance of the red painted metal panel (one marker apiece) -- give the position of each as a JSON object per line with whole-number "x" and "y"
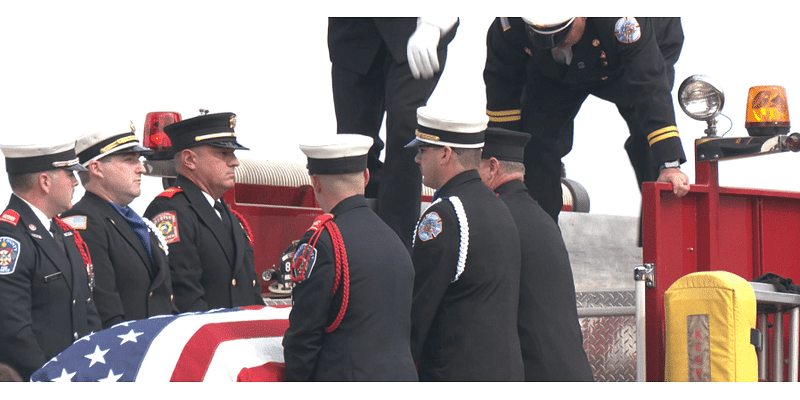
{"x": 277, "y": 215}
{"x": 748, "y": 232}
{"x": 302, "y": 196}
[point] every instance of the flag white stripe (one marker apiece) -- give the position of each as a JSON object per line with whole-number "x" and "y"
{"x": 232, "y": 356}
{"x": 165, "y": 350}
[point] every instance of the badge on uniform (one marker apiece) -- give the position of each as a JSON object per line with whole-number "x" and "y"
{"x": 167, "y": 223}
{"x": 9, "y": 253}
{"x": 430, "y": 226}
{"x": 76, "y": 221}
{"x": 302, "y": 272}
{"x": 627, "y": 30}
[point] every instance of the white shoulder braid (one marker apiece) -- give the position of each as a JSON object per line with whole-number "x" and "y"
{"x": 159, "y": 235}
{"x": 463, "y": 229}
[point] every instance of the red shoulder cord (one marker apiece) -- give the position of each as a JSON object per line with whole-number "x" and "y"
{"x": 82, "y": 248}
{"x": 342, "y": 271}
{"x": 244, "y": 224}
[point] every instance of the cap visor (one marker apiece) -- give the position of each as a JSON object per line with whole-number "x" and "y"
{"x": 77, "y": 168}
{"x": 416, "y": 143}
{"x": 227, "y": 145}
{"x": 135, "y": 149}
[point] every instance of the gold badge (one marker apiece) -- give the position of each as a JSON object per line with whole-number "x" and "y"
{"x": 133, "y": 128}
{"x": 233, "y": 121}
{"x": 595, "y": 43}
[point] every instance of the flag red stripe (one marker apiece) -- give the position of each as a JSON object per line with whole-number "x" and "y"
{"x": 200, "y": 348}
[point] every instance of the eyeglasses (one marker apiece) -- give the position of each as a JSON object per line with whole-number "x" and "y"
{"x": 421, "y": 149}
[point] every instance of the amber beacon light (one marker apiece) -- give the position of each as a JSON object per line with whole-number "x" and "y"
{"x": 767, "y": 111}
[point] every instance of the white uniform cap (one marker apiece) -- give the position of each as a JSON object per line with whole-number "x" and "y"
{"x": 454, "y": 128}
{"x": 94, "y": 146}
{"x": 27, "y": 158}
{"x": 338, "y": 154}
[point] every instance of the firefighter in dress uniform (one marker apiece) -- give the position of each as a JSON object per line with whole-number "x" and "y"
{"x": 538, "y": 73}
{"x": 466, "y": 258}
{"x": 129, "y": 253}
{"x": 391, "y": 66}
{"x": 549, "y": 332}
{"x": 210, "y": 248}
{"x": 45, "y": 270}
{"x": 351, "y": 313}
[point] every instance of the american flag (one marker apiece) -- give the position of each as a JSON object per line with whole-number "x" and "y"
{"x": 221, "y": 345}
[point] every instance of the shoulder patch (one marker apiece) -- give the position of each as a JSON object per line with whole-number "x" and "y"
{"x": 10, "y": 217}
{"x": 170, "y": 192}
{"x": 9, "y": 253}
{"x": 305, "y": 255}
{"x": 627, "y": 30}
{"x": 430, "y": 226}
{"x": 76, "y": 221}
{"x": 504, "y": 23}
{"x": 167, "y": 223}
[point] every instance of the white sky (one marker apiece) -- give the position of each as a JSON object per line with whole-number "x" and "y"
{"x": 70, "y": 68}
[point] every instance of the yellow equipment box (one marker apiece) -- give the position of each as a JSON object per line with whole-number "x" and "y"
{"x": 709, "y": 318}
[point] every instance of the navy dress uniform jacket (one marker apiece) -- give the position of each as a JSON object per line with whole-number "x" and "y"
{"x": 206, "y": 273}
{"x": 372, "y": 341}
{"x": 466, "y": 330}
{"x": 46, "y": 301}
{"x": 549, "y": 332}
{"x": 129, "y": 285}
{"x": 527, "y": 90}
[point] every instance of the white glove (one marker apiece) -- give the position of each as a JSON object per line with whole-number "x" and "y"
{"x": 421, "y": 51}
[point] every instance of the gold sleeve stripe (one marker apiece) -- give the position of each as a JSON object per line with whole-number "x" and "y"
{"x": 505, "y": 119}
{"x": 661, "y": 134}
{"x": 503, "y": 113}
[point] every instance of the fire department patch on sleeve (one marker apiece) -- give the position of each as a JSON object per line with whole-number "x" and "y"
{"x": 303, "y": 263}
{"x": 9, "y": 252}
{"x": 76, "y": 221}
{"x": 167, "y": 223}
{"x": 627, "y": 30}
{"x": 430, "y": 226}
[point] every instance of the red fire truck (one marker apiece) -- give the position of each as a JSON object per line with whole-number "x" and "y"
{"x": 747, "y": 232}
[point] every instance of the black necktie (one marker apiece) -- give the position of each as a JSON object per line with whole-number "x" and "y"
{"x": 227, "y": 236}
{"x": 223, "y": 214}
{"x": 57, "y": 235}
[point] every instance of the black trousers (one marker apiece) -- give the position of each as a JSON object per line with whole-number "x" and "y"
{"x": 552, "y": 132}
{"x": 360, "y": 102}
